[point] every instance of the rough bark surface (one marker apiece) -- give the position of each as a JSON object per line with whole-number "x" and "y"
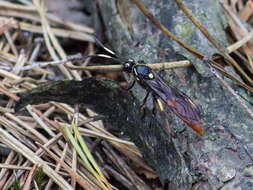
{"x": 222, "y": 157}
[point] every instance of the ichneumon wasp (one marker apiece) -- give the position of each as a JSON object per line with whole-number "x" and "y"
{"x": 172, "y": 98}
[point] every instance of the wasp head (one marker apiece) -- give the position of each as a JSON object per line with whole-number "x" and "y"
{"x": 129, "y": 65}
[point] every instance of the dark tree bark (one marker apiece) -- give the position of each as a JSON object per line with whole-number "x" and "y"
{"x": 123, "y": 112}
{"x": 223, "y": 155}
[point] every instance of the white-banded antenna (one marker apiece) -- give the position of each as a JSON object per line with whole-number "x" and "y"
{"x": 105, "y": 48}
{"x": 104, "y": 56}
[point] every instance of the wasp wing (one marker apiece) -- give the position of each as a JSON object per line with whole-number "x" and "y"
{"x": 177, "y": 101}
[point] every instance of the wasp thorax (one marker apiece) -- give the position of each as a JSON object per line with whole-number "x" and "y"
{"x": 143, "y": 72}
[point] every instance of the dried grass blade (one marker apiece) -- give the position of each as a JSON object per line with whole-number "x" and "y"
{"x": 88, "y": 154}
{"x": 70, "y": 137}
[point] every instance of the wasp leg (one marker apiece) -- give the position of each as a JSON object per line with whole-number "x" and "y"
{"x": 141, "y": 62}
{"x": 143, "y": 103}
{"x": 161, "y": 73}
{"x": 145, "y": 99}
{"x": 131, "y": 86}
{"x": 157, "y": 103}
{"x": 154, "y": 109}
{"x": 143, "y": 114}
{"x": 181, "y": 131}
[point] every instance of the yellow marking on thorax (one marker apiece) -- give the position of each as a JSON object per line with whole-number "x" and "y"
{"x": 150, "y": 75}
{"x": 135, "y": 72}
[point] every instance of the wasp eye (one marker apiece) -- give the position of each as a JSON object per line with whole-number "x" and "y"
{"x": 128, "y": 66}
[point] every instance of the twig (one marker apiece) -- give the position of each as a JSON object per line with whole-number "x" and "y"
{"x": 57, "y": 31}
{"x": 36, "y": 50}
{"x": 20, "y": 63}
{"x": 194, "y": 51}
{"x": 14, "y": 167}
{"x": 71, "y": 25}
{"x": 105, "y": 68}
{"x": 240, "y": 100}
{"x": 27, "y": 11}
{"x": 25, "y": 151}
{"x": 165, "y": 30}
{"x": 156, "y": 66}
{"x": 6, "y": 25}
{"x": 29, "y": 179}
{"x": 18, "y": 7}
{"x": 226, "y": 55}
{"x": 240, "y": 43}
{"x": 7, "y": 47}
{"x": 78, "y": 178}
{"x": 47, "y": 32}
{"x": 12, "y": 45}
{"x": 44, "y": 64}
{"x": 212, "y": 40}
{"x": 239, "y": 31}
{"x": 15, "y": 14}
{"x": 58, "y": 166}
{"x": 9, "y": 94}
